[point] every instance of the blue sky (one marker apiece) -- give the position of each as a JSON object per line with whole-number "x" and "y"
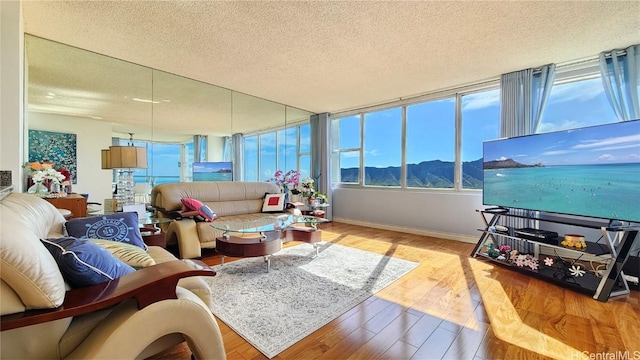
{"x": 604, "y": 144}
{"x": 430, "y": 126}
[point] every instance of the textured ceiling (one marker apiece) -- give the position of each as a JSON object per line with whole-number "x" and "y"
{"x": 332, "y": 56}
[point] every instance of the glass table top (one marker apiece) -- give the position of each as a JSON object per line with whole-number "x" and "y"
{"x": 149, "y": 218}
{"x": 266, "y": 224}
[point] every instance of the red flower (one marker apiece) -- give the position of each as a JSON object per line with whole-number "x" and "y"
{"x": 66, "y": 173}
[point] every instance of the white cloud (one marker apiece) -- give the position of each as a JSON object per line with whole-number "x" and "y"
{"x": 616, "y": 141}
{"x": 618, "y": 147}
{"x": 546, "y": 127}
{"x": 557, "y": 152}
{"x": 579, "y": 90}
{"x": 481, "y": 100}
{"x": 606, "y": 157}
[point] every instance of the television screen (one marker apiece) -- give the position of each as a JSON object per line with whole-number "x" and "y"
{"x": 592, "y": 172}
{"x": 213, "y": 171}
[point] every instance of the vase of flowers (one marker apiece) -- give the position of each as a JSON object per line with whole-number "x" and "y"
{"x": 38, "y": 189}
{"x": 286, "y": 181}
{"x": 43, "y": 177}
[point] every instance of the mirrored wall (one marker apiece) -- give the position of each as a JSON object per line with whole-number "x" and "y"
{"x": 99, "y": 98}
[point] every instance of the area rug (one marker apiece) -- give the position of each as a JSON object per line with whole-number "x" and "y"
{"x": 274, "y": 310}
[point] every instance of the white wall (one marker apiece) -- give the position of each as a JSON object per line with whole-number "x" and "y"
{"x": 447, "y": 215}
{"x": 215, "y": 148}
{"x": 11, "y": 90}
{"x": 92, "y": 136}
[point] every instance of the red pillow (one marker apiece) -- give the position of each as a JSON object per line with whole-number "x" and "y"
{"x": 202, "y": 209}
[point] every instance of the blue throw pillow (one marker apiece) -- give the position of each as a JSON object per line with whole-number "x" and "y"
{"x": 83, "y": 263}
{"x": 121, "y": 227}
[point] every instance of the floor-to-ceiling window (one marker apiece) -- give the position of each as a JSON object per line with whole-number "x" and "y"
{"x": 576, "y": 102}
{"x": 431, "y": 144}
{"x": 284, "y": 149}
{"x": 345, "y": 159}
{"x": 382, "y": 147}
{"x": 480, "y": 114}
{"x": 164, "y": 162}
{"x": 436, "y": 141}
{"x": 425, "y": 144}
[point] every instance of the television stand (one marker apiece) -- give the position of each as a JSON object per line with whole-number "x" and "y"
{"x": 595, "y": 270}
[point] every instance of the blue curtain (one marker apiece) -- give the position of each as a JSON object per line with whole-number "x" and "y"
{"x": 320, "y": 155}
{"x": 620, "y": 76}
{"x": 515, "y": 111}
{"x": 198, "y": 154}
{"x": 237, "y": 141}
{"x": 523, "y": 98}
{"x": 540, "y": 90}
{"x": 226, "y": 148}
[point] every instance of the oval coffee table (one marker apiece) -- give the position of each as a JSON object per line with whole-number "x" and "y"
{"x": 261, "y": 237}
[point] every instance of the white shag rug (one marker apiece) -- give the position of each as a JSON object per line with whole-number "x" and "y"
{"x": 300, "y": 294}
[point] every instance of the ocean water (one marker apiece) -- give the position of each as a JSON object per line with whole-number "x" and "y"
{"x": 212, "y": 176}
{"x": 609, "y": 191}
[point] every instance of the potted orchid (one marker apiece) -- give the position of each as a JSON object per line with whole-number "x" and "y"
{"x": 286, "y": 181}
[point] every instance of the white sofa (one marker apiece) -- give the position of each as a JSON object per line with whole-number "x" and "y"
{"x": 30, "y": 280}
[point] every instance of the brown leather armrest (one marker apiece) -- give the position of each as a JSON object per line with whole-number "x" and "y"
{"x": 178, "y": 214}
{"x": 148, "y": 285}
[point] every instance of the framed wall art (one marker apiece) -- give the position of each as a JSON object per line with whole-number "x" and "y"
{"x": 55, "y": 147}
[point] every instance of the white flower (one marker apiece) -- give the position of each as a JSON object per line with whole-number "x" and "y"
{"x": 548, "y": 261}
{"x": 48, "y": 174}
{"x": 576, "y": 271}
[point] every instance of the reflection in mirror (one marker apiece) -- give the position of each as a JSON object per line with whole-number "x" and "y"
{"x": 186, "y": 112}
{"x": 102, "y": 100}
{"x": 252, "y": 115}
{"x": 71, "y": 90}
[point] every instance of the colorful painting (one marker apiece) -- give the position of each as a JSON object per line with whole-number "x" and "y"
{"x": 57, "y": 148}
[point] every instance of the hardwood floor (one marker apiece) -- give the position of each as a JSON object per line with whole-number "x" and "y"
{"x": 456, "y": 307}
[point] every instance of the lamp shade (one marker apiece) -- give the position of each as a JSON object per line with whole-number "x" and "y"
{"x": 106, "y": 159}
{"x": 128, "y": 157}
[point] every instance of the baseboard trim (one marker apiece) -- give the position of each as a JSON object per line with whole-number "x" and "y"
{"x": 408, "y": 230}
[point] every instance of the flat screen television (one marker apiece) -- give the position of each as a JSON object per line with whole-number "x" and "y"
{"x": 592, "y": 171}
{"x": 213, "y": 171}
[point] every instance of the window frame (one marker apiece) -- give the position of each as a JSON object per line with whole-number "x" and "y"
{"x": 275, "y": 131}
{"x": 456, "y": 94}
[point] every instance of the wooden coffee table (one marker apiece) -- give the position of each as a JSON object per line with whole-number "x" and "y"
{"x": 264, "y": 237}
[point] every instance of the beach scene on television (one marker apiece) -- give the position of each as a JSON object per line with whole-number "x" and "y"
{"x": 213, "y": 171}
{"x": 592, "y": 171}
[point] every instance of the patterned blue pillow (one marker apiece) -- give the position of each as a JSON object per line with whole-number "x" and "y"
{"x": 122, "y": 226}
{"x": 83, "y": 263}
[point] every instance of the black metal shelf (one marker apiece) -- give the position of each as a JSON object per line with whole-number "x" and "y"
{"x": 593, "y": 248}
{"x": 559, "y": 275}
{"x": 600, "y": 285}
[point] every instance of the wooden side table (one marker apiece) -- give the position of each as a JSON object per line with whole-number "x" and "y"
{"x": 155, "y": 237}
{"x": 75, "y": 203}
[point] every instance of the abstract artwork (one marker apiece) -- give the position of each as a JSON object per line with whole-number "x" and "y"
{"x": 57, "y": 148}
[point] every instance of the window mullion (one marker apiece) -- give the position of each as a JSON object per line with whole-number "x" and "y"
{"x": 457, "y": 167}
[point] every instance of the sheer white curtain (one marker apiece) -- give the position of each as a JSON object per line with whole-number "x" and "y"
{"x": 321, "y": 155}
{"x": 620, "y": 70}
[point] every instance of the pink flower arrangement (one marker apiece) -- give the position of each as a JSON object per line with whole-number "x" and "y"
{"x": 290, "y": 179}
